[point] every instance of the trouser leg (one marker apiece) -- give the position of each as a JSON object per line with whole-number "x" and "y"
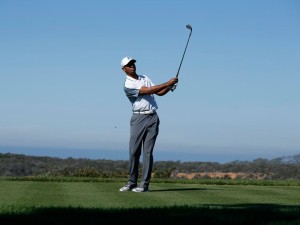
{"x": 135, "y": 148}
{"x": 149, "y": 143}
{"x": 143, "y": 133}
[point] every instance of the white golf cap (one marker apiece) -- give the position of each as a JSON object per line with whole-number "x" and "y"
{"x": 126, "y": 60}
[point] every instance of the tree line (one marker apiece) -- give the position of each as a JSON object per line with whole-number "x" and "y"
{"x": 12, "y": 165}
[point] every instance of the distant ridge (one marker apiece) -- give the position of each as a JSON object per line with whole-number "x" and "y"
{"x": 287, "y": 167}
{"x": 295, "y": 159}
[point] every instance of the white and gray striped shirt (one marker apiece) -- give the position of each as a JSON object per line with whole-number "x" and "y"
{"x": 140, "y": 103}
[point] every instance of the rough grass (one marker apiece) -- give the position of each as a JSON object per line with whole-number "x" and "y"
{"x": 217, "y": 214}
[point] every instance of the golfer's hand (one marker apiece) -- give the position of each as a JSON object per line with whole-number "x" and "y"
{"x": 173, "y": 85}
{"x": 173, "y": 81}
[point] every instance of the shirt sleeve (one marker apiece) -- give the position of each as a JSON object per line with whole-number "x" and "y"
{"x": 131, "y": 93}
{"x": 132, "y": 90}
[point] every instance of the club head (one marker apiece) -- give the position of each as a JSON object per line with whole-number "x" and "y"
{"x": 189, "y": 27}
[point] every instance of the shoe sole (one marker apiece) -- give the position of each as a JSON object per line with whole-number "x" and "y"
{"x": 126, "y": 190}
{"x": 140, "y": 191}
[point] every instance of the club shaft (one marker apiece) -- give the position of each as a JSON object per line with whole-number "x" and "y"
{"x": 183, "y": 54}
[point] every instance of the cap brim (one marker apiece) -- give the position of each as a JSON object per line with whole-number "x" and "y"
{"x": 133, "y": 60}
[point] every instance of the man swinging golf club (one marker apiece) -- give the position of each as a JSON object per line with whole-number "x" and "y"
{"x": 144, "y": 123}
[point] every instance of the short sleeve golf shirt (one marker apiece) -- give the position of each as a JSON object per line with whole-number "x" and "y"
{"x": 140, "y": 103}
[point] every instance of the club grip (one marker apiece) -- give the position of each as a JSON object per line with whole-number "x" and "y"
{"x": 172, "y": 88}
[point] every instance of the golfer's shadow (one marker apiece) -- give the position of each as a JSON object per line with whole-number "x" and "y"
{"x": 182, "y": 189}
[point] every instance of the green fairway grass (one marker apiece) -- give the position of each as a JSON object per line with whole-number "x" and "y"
{"x": 95, "y": 202}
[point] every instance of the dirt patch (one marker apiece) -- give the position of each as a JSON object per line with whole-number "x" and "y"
{"x": 220, "y": 175}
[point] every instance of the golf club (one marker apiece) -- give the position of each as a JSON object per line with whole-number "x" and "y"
{"x": 188, "y": 26}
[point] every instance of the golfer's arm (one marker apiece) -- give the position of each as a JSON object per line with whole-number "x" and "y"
{"x": 164, "y": 91}
{"x": 160, "y": 89}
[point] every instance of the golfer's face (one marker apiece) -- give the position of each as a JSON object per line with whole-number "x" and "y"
{"x": 129, "y": 68}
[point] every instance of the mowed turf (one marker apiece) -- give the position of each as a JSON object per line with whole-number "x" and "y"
{"x": 107, "y": 195}
{"x": 62, "y": 202}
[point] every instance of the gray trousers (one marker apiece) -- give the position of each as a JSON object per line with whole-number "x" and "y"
{"x": 143, "y": 133}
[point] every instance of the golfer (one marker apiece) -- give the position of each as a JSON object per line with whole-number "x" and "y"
{"x": 144, "y": 123}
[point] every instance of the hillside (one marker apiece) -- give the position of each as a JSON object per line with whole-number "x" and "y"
{"x": 24, "y": 165}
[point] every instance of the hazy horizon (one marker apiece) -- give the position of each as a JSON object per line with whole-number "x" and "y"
{"x": 203, "y": 155}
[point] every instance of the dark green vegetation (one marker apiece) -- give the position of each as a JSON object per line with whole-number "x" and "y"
{"x": 176, "y": 215}
{"x": 91, "y": 201}
{"x": 21, "y": 165}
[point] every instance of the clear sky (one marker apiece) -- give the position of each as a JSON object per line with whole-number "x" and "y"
{"x": 238, "y": 97}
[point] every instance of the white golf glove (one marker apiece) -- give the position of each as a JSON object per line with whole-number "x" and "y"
{"x": 173, "y": 87}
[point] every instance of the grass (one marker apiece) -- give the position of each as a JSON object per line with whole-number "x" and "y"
{"x": 94, "y": 202}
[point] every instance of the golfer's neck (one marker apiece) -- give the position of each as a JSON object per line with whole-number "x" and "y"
{"x": 134, "y": 76}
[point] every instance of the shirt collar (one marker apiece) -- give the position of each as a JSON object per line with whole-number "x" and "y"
{"x": 132, "y": 79}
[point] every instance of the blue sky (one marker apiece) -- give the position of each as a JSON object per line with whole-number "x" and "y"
{"x": 61, "y": 86}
